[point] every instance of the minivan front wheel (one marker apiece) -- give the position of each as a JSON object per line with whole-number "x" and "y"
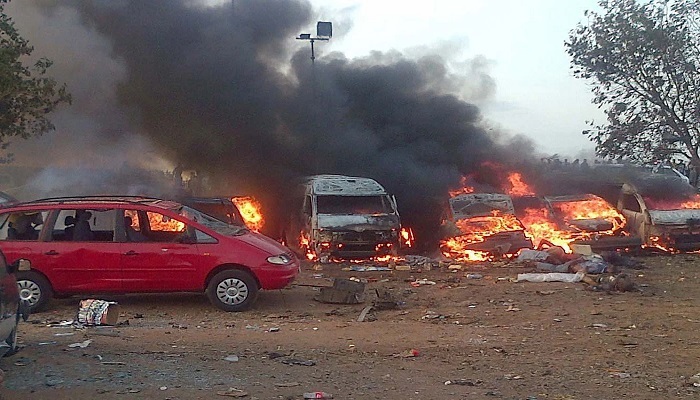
{"x": 34, "y": 289}
{"x": 232, "y": 290}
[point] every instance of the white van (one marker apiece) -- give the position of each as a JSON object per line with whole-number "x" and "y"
{"x": 343, "y": 217}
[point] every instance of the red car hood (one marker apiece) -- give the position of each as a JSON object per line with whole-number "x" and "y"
{"x": 263, "y": 243}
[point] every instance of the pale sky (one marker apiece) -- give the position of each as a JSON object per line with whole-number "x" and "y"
{"x": 523, "y": 41}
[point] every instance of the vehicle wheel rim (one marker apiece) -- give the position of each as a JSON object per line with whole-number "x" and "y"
{"x": 29, "y": 291}
{"x": 232, "y": 291}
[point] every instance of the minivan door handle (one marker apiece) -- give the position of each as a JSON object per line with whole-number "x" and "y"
{"x": 130, "y": 253}
{"x": 51, "y": 253}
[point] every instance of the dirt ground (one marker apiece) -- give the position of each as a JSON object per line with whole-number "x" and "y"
{"x": 493, "y": 338}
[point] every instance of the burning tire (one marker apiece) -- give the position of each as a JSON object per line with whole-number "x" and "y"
{"x": 232, "y": 290}
{"x": 34, "y": 289}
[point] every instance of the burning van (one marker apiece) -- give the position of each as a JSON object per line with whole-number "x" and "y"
{"x": 579, "y": 219}
{"x": 344, "y": 217}
{"x": 482, "y": 225}
{"x": 665, "y": 214}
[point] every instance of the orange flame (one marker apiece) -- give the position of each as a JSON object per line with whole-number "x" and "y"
{"x": 475, "y": 230}
{"x": 250, "y": 210}
{"x": 157, "y": 222}
{"x": 406, "y": 235}
{"x": 667, "y": 204}
{"x": 464, "y": 189}
{"x": 518, "y": 187}
{"x": 304, "y": 244}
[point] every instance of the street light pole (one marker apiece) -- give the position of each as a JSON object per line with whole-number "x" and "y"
{"x": 324, "y": 31}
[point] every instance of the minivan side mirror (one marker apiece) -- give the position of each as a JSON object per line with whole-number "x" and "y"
{"x": 20, "y": 264}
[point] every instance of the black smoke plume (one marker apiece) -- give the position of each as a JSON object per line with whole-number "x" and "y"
{"x": 227, "y": 91}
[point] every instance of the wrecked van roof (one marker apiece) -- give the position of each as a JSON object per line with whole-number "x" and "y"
{"x": 341, "y": 185}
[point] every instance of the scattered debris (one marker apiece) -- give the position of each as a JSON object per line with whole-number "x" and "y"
{"x": 296, "y": 361}
{"x": 318, "y": 395}
{"x": 462, "y": 382}
{"x": 364, "y": 313}
{"x": 551, "y": 277}
{"x": 287, "y": 384}
{"x": 422, "y": 282}
{"x": 82, "y": 345}
{"x": 694, "y": 380}
{"x": 408, "y": 353}
{"x": 231, "y": 358}
{"x": 233, "y": 392}
{"x": 97, "y": 312}
{"x": 620, "y": 374}
{"x": 343, "y": 291}
{"x": 366, "y": 268}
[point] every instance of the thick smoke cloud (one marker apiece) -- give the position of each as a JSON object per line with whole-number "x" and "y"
{"x": 227, "y": 91}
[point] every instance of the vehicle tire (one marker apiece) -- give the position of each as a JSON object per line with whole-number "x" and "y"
{"x": 34, "y": 289}
{"x": 232, "y": 290}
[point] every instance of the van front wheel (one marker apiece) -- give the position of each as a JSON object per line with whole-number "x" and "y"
{"x": 232, "y": 290}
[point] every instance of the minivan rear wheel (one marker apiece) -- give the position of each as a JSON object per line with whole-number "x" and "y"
{"x": 34, "y": 289}
{"x": 232, "y": 290}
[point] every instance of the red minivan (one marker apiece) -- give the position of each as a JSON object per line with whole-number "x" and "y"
{"x": 123, "y": 244}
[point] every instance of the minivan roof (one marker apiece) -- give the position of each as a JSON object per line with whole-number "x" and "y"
{"x": 100, "y": 200}
{"x": 341, "y": 185}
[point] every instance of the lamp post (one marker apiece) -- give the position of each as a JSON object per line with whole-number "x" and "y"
{"x": 324, "y": 31}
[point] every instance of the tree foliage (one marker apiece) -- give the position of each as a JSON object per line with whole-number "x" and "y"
{"x": 642, "y": 58}
{"x": 27, "y": 94}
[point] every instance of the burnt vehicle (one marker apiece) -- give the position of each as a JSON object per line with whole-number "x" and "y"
{"x": 221, "y": 208}
{"x": 343, "y": 217}
{"x": 579, "y": 219}
{"x": 484, "y": 223}
{"x": 665, "y": 213}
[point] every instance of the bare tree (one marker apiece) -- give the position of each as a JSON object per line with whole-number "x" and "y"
{"x": 642, "y": 59}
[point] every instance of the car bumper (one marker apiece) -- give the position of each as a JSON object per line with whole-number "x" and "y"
{"x": 278, "y": 277}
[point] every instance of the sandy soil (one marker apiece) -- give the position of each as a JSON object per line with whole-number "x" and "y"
{"x": 493, "y": 338}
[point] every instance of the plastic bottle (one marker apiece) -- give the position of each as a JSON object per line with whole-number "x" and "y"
{"x": 318, "y": 395}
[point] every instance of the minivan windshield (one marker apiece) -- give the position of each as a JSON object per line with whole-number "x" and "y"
{"x": 353, "y": 205}
{"x": 212, "y": 223}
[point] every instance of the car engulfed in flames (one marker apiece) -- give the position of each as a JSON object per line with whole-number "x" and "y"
{"x": 482, "y": 226}
{"x": 581, "y": 219}
{"x": 666, "y": 219}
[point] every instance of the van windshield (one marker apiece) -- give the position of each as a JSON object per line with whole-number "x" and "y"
{"x": 353, "y": 205}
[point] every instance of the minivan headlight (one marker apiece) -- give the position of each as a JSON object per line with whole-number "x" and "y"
{"x": 281, "y": 259}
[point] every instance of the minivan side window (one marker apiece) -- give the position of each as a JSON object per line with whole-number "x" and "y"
{"x": 162, "y": 228}
{"x": 24, "y": 225}
{"x": 84, "y": 225}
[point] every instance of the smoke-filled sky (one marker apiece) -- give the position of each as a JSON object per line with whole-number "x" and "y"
{"x": 226, "y": 89}
{"x": 520, "y": 43}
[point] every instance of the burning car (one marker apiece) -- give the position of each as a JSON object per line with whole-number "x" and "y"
{"x": 221, "y": 208}
{"x": 580, "y": 219}
{"x": 344, "y": 217}
{"x": 482, "y": 225}
{"x": 664, "y": 213}
{"x": 239, "y": 210}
